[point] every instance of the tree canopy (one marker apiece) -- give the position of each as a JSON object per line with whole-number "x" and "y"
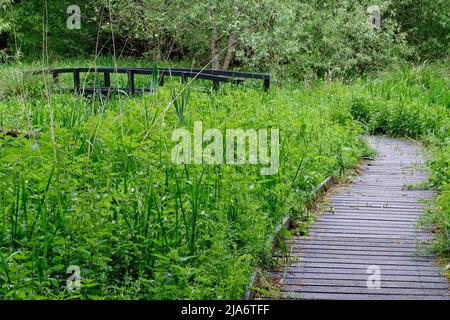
{"x": 299, "y": 38}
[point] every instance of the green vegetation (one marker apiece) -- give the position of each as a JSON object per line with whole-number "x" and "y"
{"x": 97, "y": 189}
{"x": 89, "y": 181}
{"x": 305, "y": 39}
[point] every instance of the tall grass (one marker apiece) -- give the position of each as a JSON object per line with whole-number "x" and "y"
{"x": 140, "y": 226}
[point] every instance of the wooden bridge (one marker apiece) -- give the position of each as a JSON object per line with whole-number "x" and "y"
{"x": 370, "y": 228}
{"x": 216, "y": 76}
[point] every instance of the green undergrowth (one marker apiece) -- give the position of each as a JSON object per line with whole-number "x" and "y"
{"x": 96, "y": 188}
{"x": 91, "y": 182}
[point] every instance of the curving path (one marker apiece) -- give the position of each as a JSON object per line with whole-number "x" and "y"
{"x": 370, "y": 227}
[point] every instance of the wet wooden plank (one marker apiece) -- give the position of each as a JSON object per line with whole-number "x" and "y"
{"x": 362, "y": 283}
{"x": 306, "y": 268}
{"x": 349, "y": 296}
{"x": 368, "y": 261}
{"x": 366, "y": 240}
{"x": 342, "y": 223}
{"x": 362, "y": 227}
{"x": 353, "y": 251}
{"x": 365, "y": 290}
{"x": 410, "y": 277}
{"x": 331, "y": 264}
{"x": 351, "y": 217}
{"x": 362, "y": 235}
{"x": 355, "y": 208}
{"x": 338, "y": 247}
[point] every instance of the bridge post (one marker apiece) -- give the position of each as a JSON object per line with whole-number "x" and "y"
{"x": 76, "y": 79}
{"x": 131, "y": 89}
{"x": 55, "y": 77}
{"x": 107, "y": 79}
{"x": 266, "y": 84}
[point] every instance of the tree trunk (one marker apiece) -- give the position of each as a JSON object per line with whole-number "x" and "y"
{"x": 231, "y": 39}
{"x": 229, "y": 56}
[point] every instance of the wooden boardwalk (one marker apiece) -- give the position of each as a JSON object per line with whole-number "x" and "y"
{"x": 371, "y": 224}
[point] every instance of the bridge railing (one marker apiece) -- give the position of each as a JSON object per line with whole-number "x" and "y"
{"x": 216, "y": 76}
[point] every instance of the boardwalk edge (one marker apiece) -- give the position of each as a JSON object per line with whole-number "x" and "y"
{"x": 320, "y": 189}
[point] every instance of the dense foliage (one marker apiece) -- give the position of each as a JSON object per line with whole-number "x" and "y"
{"x": 426, "y": 24}
{"x": 96, "y": 186}
{"x": 301, "y": 38}
{"x": 98, "y": 189}
{"x": 90, "y": 181}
